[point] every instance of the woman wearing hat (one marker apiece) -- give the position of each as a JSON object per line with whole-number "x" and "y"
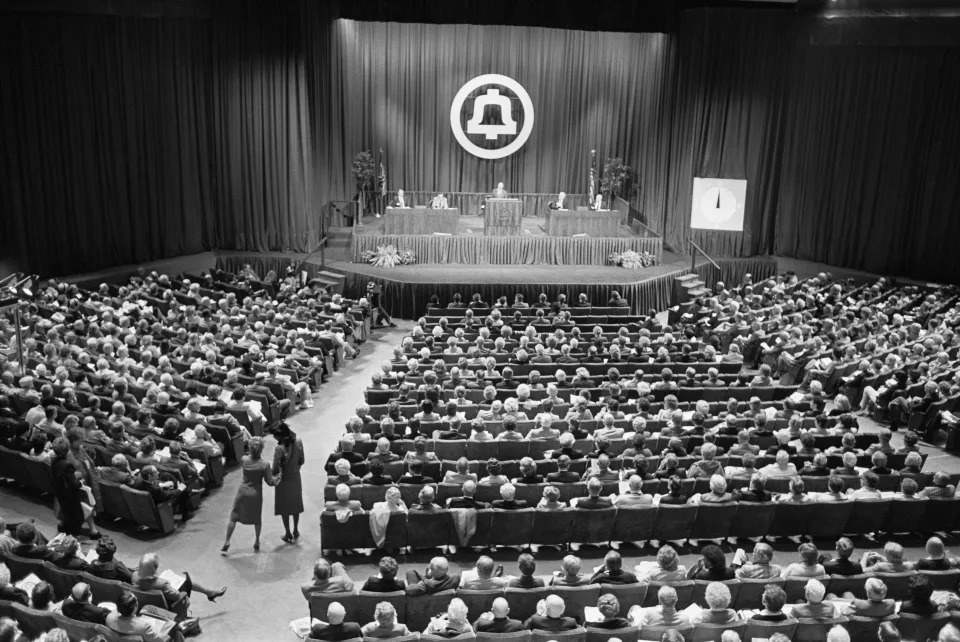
{"x": 288, "y": 458}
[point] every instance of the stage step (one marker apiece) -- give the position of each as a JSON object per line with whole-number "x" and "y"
{"x": 692, "y": 284}
{"x": 331, "y": 279}
{"x": 688, "y": 277}
{"x": 698, "y": 292}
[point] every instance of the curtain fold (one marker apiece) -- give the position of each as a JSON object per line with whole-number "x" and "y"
{"x": 129, "y": 139}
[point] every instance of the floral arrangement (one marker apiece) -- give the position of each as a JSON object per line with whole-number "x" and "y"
{"x": 633, "y": 260}
{"x": 388, "y": 256}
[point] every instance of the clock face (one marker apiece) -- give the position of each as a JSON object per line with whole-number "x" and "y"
{"x": 718, "y": 204}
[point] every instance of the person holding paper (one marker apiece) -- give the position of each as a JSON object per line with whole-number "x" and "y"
{"x": 288, "y": 458}
{"x": 126, "y": 621}
{"x": 176, "y": 588}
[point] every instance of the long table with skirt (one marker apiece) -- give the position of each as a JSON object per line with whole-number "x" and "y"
{"x": 469, "y": 249}
{"x": 420, "y": 220}
{"x": 605, "y": 223}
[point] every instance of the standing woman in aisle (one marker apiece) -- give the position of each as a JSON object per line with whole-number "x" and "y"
{"x": 248, "y": 504}
{"x": 288, "y": 458}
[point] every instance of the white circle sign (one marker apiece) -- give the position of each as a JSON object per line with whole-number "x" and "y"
{"x": 492, "y": 131}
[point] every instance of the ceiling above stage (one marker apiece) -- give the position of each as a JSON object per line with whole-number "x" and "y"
{"x": 590, "y": 15}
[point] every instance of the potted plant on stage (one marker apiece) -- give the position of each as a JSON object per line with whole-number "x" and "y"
{"x": 363, "y": 176}
{"x": 615, "y": 175}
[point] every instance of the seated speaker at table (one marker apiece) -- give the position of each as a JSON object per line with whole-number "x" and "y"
{"x": 558, "y": 204}
{"x": 402, "y": 200}
{"x": 439, "y": 202}
{"x": 499, "y": 192}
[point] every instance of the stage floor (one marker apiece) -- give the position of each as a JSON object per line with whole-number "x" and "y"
{"x": 533, "y": 226}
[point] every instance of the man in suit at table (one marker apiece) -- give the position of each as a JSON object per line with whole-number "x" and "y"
{"x": 401, "y": 200}
{"x": 439, "y": 202}
{"x": 558, "y": 204}
{"x": 499, "y": 192}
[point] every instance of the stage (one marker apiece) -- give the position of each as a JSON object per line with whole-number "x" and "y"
{"x": 532, "y": 246}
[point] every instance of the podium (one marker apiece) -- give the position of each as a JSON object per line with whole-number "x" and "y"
{"x": 502, "y": 217}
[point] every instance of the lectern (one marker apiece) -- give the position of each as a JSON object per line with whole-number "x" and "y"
{"x": 502, "y": 217}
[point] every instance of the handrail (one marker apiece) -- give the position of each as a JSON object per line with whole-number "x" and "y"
{"x": 693, "y": 264}
{"x": 320, "y": 246}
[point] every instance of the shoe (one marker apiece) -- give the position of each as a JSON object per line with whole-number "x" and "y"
{"x": 223, "y": 551}
{"x": 392, "y": 324}
{"x": 256, "y": 546}
{"x": 213, "y": 597}
{"x": 296, "y": 534}
{"x": 96, "y": 536}
{"x": 288, "y": 538}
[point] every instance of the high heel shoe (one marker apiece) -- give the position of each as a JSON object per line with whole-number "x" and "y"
{"x": 288, "y": 538}
{"x": 213, "y": 596}
{"x": 226, "y": 547}
{"x": 296, "y": 535}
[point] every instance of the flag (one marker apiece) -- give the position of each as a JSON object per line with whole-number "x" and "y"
{"x": 383, "y": 175}
{"x": 591, "y": 187}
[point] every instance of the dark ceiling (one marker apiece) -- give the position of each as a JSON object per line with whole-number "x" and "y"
{"x": 602, "y": 15}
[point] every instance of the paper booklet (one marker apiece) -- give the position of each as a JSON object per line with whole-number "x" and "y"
{"x": 302, "y": 626}
{"x": 176, "y": 580}
{"x": 27, "y": 583}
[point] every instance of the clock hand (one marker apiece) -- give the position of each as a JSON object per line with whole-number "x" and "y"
{"x": 718, "y": 200}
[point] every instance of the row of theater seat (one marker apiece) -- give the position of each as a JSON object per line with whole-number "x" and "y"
{"x": 453, "y": 449}
{"x": 415, "y": 611}
{"x": 117, "y": 500}
{"x": 522, "y": 527}
{"x": 370, "y": 494}
{"x": 33, "y": 622}
{"x": 861, "y": 629}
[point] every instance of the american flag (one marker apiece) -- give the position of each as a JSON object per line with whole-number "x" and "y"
{"x": 591, "y": 187}
{"x": 383, "y": 175}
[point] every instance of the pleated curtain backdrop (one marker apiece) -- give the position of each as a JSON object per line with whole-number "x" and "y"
{"x": 131, "y": 139}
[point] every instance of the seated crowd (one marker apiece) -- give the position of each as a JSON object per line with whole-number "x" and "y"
{"x": 78, "y": 598}
{"x": 671, "y": 603}
{"x": 145, "y": 382}
{"x": 634, "y": 401}
{"x": 615, "y": 425}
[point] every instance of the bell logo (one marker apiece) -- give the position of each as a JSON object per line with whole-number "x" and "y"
{"x": 492, "y": 115}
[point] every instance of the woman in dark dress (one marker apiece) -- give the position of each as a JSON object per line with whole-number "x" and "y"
{"x": 68, "y": 489}
{"x": 288, "y": 458}
{"x": 248, "y": 504}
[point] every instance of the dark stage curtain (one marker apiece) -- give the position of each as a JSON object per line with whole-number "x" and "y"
{"x": 725, "y": 122}
{"x": 131, "y": 139}
{"x": 127, "y": 139}
{"x": 871, "y": 160}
